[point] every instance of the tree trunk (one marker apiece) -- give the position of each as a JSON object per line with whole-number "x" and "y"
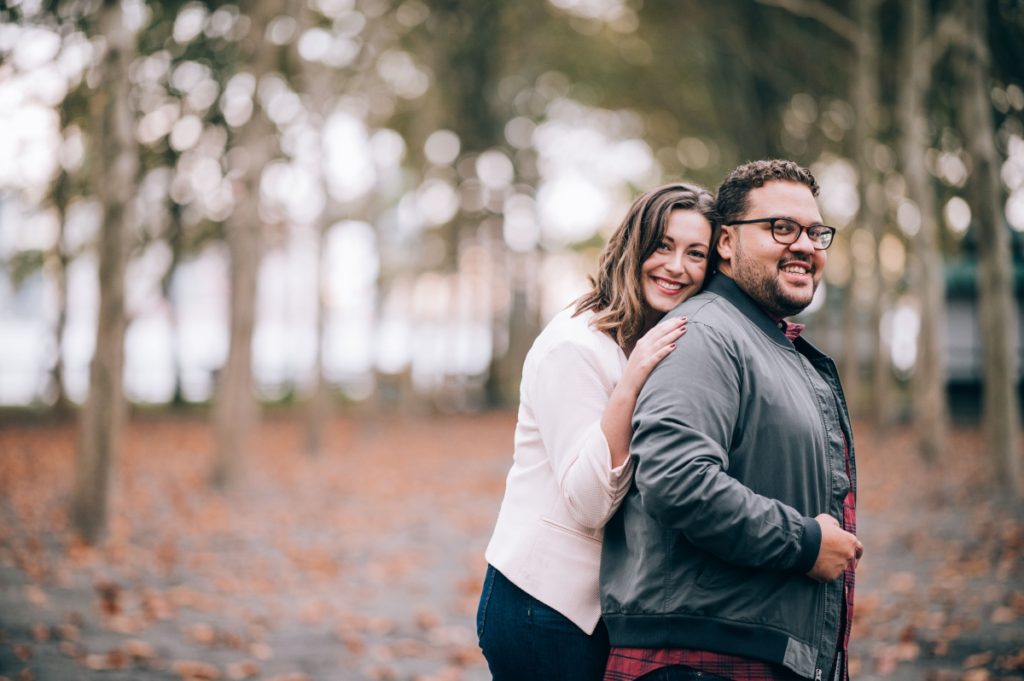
{"x": 322, "y": 87}
{"x": 743, "y": 97}
{"x": 318, "y": 408}
{"x": 521, "y": 325}
{"x": 997, "y": 309}
{"x": 176, "y": 240}
{"x": 115, "y": 160}
{"x": 850, "y": 364}
{"x": 235, "y": 409}
{"x": 59, "y": 265}
{"x": 871, "y": 215}
{"x": 929, "y": 383}
{"x": 467, "y": 105}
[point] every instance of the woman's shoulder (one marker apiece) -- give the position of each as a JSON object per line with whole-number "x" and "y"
{"x": 568, "y": 331}
{"x": 568, "y": 326}
{"x": 569, "y": 348}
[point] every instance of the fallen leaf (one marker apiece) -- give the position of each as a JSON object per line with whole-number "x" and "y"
{"x": 71, "y": 649}
{"x": 139, "y": 650}
{"x": 902, "y": 582}
{"x": 907, "y": 652}
{"x": 192, "y": 670}
{"x": 1003, "y": 615}
{"x": 261, "y": 651}
{"x": 978, "y": 659}
{"x": 465, "y": 656}
{"x": 382, "y": 673}
{"x": 117, "y": 659}
{"x": 122, "y": 623}
{"x": 409, "y": 647}
{"x": 36, "y": 596}
{"x": 1013, "y": 662}
{"x": 246, "y": 669}
{"x": 97, "y": 662}
{"x": 427, "y": 620}
{"x": 110, "y": 596}
{"x": 202, "y": 633}
{"x": 68, "y": 632}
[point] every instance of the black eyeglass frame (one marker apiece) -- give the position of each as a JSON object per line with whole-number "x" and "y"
{"x": 830, "y": 231}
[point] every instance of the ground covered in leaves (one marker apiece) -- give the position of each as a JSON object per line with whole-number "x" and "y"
{"x": 366, "y": 562}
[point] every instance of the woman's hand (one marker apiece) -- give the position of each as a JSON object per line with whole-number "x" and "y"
{"x": 653, "y": 346}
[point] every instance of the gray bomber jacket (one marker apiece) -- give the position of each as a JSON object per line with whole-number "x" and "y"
{"x": 739, "y": 443}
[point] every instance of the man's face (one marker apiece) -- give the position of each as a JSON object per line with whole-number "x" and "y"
{"x": 781, "y": 277}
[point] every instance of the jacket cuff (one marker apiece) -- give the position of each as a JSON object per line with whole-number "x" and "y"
{"x": 810, "y": 544}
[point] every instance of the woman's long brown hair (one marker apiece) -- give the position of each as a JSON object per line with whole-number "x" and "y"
{"x": 617, "y": 294}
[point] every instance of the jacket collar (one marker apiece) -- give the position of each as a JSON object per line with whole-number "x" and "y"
{"x": 725, "y": 287}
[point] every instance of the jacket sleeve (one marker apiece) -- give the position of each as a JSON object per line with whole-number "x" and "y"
{"x": 568, "y": 395}
{"x": 682, "y": 429}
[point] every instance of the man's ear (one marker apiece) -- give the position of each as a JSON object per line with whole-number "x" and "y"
{"x": 727, "y": 244}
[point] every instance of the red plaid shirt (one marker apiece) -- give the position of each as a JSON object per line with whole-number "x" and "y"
{"x": 626, "y": 664}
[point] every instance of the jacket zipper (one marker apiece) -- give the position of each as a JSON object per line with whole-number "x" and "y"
{"x": 817, "y": 675}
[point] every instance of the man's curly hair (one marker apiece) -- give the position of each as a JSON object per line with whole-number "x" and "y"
{"x": 731, "y": 203}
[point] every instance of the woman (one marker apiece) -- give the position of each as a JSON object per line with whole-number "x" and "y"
{"x": 539, "y": 613}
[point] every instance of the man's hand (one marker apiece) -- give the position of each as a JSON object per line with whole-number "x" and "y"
{"x": 838, "y": 549}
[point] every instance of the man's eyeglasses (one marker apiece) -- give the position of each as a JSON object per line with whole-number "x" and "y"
{"x": 786, "y": 231}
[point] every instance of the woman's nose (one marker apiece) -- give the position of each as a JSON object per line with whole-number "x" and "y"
{"x": 675, "y": 264}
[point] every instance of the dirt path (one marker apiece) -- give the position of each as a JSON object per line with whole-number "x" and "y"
{"x": 366, "y": 562}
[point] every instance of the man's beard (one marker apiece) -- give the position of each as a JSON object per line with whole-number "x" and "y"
{"x": 762, "y": 284}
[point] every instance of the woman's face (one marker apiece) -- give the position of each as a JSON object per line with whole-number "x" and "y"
{"x": 675, "y": 271}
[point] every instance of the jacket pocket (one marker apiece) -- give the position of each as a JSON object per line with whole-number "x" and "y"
{"x": 763, "y": 597}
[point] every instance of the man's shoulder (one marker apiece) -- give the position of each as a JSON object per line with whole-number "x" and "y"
{"x": 710, "y": 309}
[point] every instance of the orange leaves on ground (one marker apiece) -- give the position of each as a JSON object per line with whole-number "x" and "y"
{"x": 942, "y": 566}
{"x": 370, "y": 557}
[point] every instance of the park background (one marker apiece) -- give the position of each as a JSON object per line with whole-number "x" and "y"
{"x": 268, "y": 272}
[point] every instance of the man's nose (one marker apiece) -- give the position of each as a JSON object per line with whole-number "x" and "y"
{"x": 803, "y": 243}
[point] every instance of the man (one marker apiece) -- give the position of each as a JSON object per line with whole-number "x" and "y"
{"x": 733, "y": 554}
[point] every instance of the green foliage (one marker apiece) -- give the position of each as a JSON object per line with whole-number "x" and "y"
{"x": 24, "y": 264}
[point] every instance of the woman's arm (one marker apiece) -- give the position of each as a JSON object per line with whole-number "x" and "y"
{"x": 569, "y": 395}
{"x": 616, "y": 421}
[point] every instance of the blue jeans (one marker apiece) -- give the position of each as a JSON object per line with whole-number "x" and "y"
{"x": 522, "y": 638}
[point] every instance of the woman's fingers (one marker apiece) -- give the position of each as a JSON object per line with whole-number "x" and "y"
{"x": 664, "y": 332}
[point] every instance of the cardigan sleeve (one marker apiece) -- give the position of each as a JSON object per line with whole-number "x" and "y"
{"x": 568, "y": 395}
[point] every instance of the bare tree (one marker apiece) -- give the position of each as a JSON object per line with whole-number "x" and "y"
{"x": 861, "y": 33}
{"x": 997, "y": 311}
{"x": 235, "y": 409}
{"x": 466, "y": 101}
{"x": 59, "y": 259}
{"x": 115, "y": 160}
{"x": 931, "y": 414}
{"x": 871, "y": 214}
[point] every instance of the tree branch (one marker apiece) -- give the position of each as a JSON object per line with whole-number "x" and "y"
{"x": 835, "y": 21}
{"x": 948, "y": 34}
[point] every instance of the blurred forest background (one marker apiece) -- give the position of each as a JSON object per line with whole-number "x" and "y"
{"x": 310, "y": 226}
